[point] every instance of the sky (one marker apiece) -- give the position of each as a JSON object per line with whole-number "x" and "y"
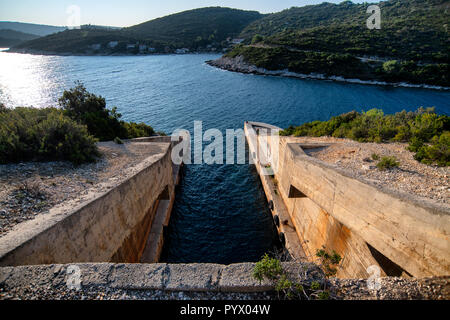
{"x": 123, "y": 13}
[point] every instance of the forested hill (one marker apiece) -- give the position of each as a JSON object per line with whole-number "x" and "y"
{"x": 197, "y": 27}
{"x": 30, "y": 28}
{"x": 413, "y": 44}
{"x": 410, "y": 29}
{"x": 10, "y": 38}
{"x": 193, "y": 29}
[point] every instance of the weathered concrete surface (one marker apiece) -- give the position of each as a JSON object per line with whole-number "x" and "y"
{"x": 193, "y": 277}
{"x": 155, "y": 276}
{"x": 235, "y": 278}
{"x": 345, "y": 214}
{"x": 286, "y": 227}
{"x": 155, "y": 240}
{"x": 109, "y": 226}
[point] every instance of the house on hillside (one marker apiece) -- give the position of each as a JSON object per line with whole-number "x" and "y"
{"x": 182, "y": 51}
{"x": 142, "y": 48}
{"x": 95, "y": 46}
{"x": 237, "y": 41}
{"x": 113, "y": 44}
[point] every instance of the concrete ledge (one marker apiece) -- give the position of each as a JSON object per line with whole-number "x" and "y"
{"x": 167, "y": 281}
{"x": 102, "y": 226}
{"x": 237, "y": 278}
{"x": 195, "y": 277}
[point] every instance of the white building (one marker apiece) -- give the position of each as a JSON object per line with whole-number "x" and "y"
{"x": 237, "y": 41}
{"x": 113, "y": 44}
{"x": 142, "y": 48}
{"x": 131, "y": 46}
{"x": 95, "y": 46}
{"x": 182, "y": 51}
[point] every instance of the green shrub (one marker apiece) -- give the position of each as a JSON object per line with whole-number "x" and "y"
{"x": 90, "y": 110}
{"x": 324, "y": 295}
{"x": 135, "y": 130}
{"x": 387, "y": 163}
{"x": 44, "y": 134}
{"x": 267, "y": 267}
{"x": 374, "y": 156}
{"x": 437, "y": 151}
{"x": 118, "y": 140}
{"x": 423, "y": 130}
{"x": 328, "y": 261}
{"x": 315, "y": 285}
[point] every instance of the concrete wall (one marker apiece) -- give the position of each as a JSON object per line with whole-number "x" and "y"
{"x": 112, "y": 226}
{"x": 364, "y": 224}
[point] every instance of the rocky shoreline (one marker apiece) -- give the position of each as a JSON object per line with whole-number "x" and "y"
{"x": 100, "y": 54}
{"x": 238, "y": 64}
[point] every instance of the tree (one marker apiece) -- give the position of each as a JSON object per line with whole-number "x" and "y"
{"x": 89, "y": 109}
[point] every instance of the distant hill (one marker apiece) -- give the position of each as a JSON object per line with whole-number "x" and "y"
{"x": 31, "y": 28}
{"x": 10, "y": 38}
{"x": 196, "y": 27}
{"x": 413, "y": 44}
{"x": 298, "y": 18}
{"x": 193, "y": 29}
{"x": 411, "y": 29}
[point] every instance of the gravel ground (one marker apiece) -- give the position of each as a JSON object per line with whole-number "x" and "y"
{"x": 32, "y": 188}
{"x": 394, "y": 288}
{"x": 437, "y": 288}
{"x": 411, "y": 176}
{"x": 62, "y": 293}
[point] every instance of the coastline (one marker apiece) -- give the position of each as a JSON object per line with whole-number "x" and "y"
{"x": 239, "y": 65}
{"x": 104, "y": 54}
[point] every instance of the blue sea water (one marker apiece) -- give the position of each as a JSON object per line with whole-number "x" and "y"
{"x": 220, "y": 214}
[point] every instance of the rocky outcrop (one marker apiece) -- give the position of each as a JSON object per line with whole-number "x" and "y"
{"x": 238, "y": 64}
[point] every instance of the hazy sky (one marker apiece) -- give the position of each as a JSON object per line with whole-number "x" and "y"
{"x": 127, "y": 12}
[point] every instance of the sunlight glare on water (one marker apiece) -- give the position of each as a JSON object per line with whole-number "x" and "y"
{"x": 26, "y": 80}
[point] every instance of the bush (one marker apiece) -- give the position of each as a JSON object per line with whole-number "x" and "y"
{"x": 438, "y": 151}
{"x": 328, "y": 261}
{"x": 287, "y": 286}
{"x": 387, "y": 163}
{"x": 118, "y": 140}
{"x": 267, "y": 267}
{"x": 423, "y": 130}
{"x": 374, "y": 156}
{"x": 135, "y": 130}
{"x": 90, "y": 110}
{"x": 44, "y": 134}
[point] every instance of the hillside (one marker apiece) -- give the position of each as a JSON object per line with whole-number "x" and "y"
{"x": 10, "y": 38}
{"x": 412, "y": 45}
{"x": 197, "y": 27}
{"x": 31, "y": 28}
{"x": 193, "y": 29}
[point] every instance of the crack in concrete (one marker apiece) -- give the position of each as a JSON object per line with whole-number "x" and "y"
{"x": 165, "y": 277}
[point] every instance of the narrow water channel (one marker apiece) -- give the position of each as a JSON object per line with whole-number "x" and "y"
{"x": 220, "y": 215}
